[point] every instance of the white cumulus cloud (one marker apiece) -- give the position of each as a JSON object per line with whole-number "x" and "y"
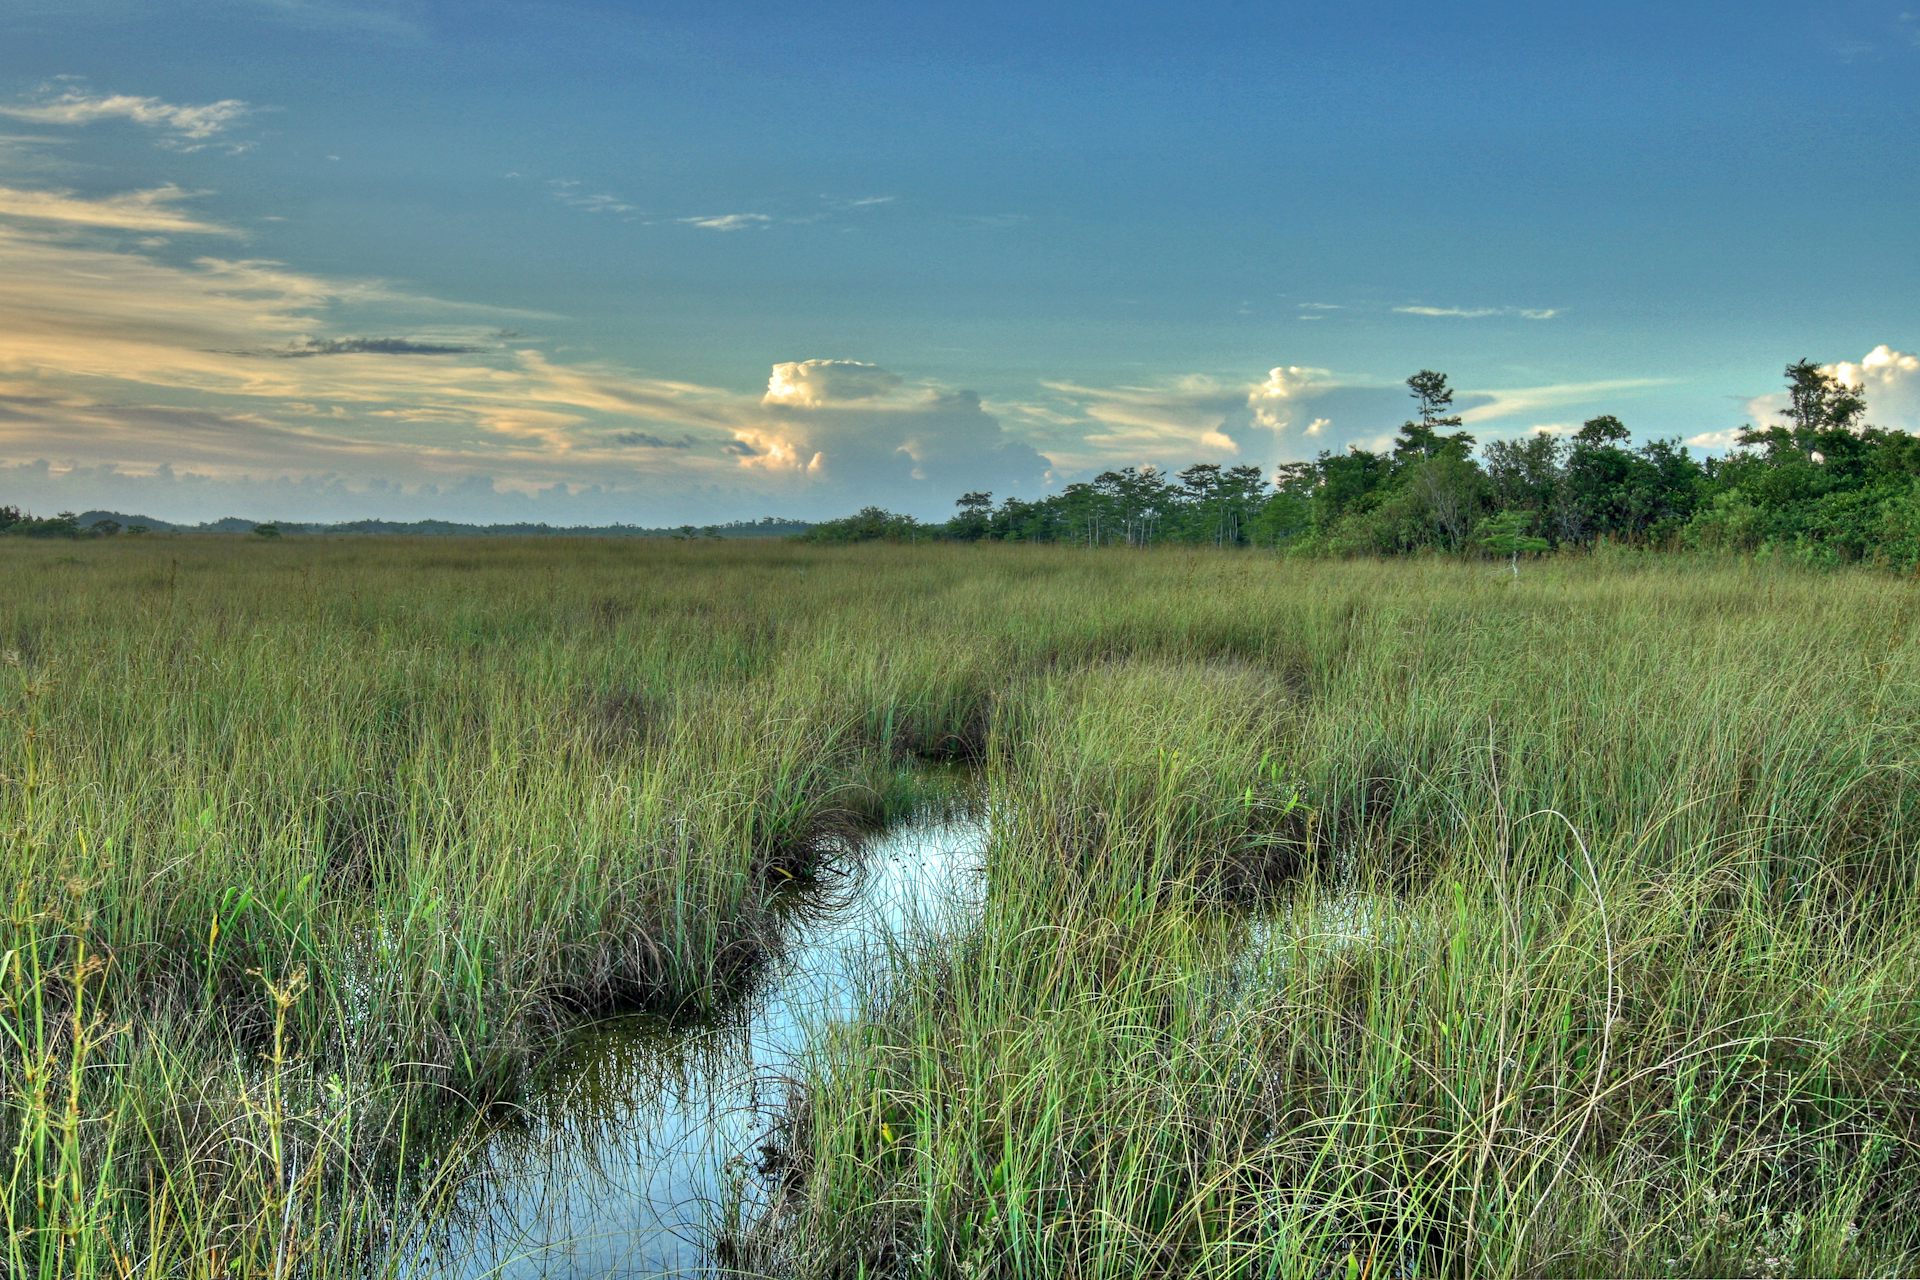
{"x": 1271, "y": 399}
{"x": 811, "y": 383}
{"x": 854, "y": 432}
{"x": 1890, "y": 381}
{"x": 1887, "y": 377}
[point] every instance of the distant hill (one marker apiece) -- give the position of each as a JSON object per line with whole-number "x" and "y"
{"x": 88, "y": 519}
{"x": 765, "y": 527}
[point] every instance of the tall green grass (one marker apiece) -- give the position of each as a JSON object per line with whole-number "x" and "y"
{"x": 1565, "y": 928}
{"x": 316, "y": 848}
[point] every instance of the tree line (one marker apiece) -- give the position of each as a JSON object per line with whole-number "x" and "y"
{"x": 1819, "y": 485}
{"x": 104, "y": 524}
{"x": 65, "y": 525}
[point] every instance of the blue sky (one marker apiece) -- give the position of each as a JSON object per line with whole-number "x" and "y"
{"x": 593, "y": 261}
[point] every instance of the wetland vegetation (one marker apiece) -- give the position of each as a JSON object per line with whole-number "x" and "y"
{"x": 1364, "y": 918}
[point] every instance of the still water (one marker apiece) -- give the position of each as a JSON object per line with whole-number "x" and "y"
{"x": 620, "y": 1165}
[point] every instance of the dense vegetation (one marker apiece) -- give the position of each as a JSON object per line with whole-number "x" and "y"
{"x": 1819, "y": 487}
{"x": 1344, "y": 918}
{"x": 65, "y": 525}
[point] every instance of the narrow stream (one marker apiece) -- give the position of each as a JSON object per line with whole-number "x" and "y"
{"x": 620, "y": 1166}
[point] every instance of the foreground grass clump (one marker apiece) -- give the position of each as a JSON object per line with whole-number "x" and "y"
{"x": 314, "y": 849}
{"x": 1342, "y": 919}
{"x": 1485, "y": 1076}
{"x": 1598, "y": 958}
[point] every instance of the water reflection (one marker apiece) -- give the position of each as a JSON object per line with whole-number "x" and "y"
{"x": 618, "y": 1167}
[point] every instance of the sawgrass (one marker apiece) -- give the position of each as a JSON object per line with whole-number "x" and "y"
{"x": 1368, "y": 919}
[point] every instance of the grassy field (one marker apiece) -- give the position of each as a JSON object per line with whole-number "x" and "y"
{"x": 1345, "y": 919}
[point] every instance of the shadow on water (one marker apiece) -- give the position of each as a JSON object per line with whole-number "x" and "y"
{"x": 620, "y": 1164}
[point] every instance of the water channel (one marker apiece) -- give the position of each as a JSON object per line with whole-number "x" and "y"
{"x": 621, "y": 1163}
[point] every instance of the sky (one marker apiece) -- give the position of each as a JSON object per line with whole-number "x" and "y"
{"x": 588, "y": 262}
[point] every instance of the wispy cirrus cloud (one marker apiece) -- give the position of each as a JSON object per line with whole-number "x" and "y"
{"x": 729, "y": 221}
{"x": 390, "y": 19}
{"x": 1185, "y": 416}
{"x": 1505, "y": 402}
{"x": 1875, "y": 42}
{"x": 1479, "y": 313}
{"x": 575, "y": 194}
{"x": 155, "y": 211}
{"x": 570, "y": 192}
{"x": 22, "y": 153}
{"x": 76, "y": 312}
{"x": 184, "y": 126}
{"x": 996, "y": 221}
{"x": 1422, "y": 310}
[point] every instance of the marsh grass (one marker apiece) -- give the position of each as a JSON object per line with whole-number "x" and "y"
{"x": 319, "y": 848}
